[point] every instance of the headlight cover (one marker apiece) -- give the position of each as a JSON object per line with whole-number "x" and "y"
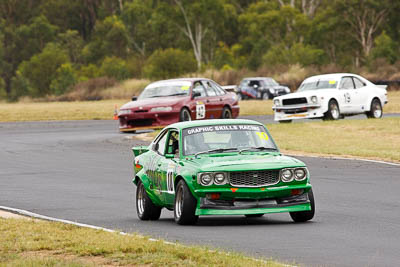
{"x": 314, "y": 99}
{"x": 206, "y": 179}
{"x": 276, "y": 102}
{"x": 300, "y": 174}
{"x": 210, "y": 178}
{"x": 161, "y": 109}
{"x": 220, "y": 178}
{"x": 287, "y": 175}
{"x": 124, "y": 112}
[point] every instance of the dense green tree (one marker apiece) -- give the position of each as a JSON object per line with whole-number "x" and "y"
{"x": 65, "y": 78}
{"x": 169, "y": 63}
{"x": 42, "y": 68}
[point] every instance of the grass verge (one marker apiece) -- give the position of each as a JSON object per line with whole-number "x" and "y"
{"x": 104, "y": 109}
{"x": 40, "y": 243}
{"x": 372, "y": 138}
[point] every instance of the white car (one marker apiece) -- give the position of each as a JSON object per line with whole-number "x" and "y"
{"x": 331, "y": 97}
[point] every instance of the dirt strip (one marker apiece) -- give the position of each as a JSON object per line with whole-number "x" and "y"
{"x": 7, "y": 215}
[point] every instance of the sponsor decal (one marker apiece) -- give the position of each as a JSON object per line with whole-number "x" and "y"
{"x": 297, "y": 115}
{"x": 185, "y": 87}
{"x": 332, "y": 82}
{"x": 216, "y": 128}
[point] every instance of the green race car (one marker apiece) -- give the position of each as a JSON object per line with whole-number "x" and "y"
{"x": 219, "y": 167}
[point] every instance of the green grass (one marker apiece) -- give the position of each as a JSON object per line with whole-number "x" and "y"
{"x": 39, "y": 243}
{"x": 369, "y": 138}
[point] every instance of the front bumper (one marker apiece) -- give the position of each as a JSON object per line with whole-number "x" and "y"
{"x": 254, "y": 201}
{"x": 146, "y": 120}
{"x": 293, "y": 112}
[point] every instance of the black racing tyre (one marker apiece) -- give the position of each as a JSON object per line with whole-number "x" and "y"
{"x": 145, "y": 208}
{"x": 333, "y": 112}
{"x": 226, "y": 113}
{"x": 303, "y": 216}
{"x": 266, "y": 96}
{"x": 254, "y": 215}
{"x": 185, "y": 115}
{"x": 185, "y": 205}
{"x": 376, "y": 109}
{"x": 285, "y": 121}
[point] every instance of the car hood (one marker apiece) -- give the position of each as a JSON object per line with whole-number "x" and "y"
{"x": 306, "y": 94}
{"x": 154, "y": 102}
{"x": 243, "y": 162}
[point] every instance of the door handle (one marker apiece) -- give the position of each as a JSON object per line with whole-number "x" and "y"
{"x": 220, "y": 99}
{"x": 159, "y": 164}
{"x": 208, "y": 101}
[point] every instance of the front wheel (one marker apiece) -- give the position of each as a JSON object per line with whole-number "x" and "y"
{"x": 376, "y": 110}
{"x": 333, "y": 112}
{"x": 145, "y": 208}
{"x": 185, "y": 205}
{"x": 303, "y": 216}
{"x": 185, "y": 115}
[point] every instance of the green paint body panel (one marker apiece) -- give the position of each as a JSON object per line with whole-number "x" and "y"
{"x": 156, "y": 169}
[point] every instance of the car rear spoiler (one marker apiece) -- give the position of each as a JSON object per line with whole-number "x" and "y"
{"x": 137, "y": 150}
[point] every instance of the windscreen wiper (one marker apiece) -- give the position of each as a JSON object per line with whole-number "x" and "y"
{"x": 258, "y": 148}
{"x": 177, "y": 94}
{"x": 218, "y": 150}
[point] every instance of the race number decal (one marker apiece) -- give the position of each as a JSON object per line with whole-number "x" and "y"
{"x": 170, "y": 178}
{"x": 347, "y": 97}
{"x": 200, "y": 110}
{"x": 262, "y": 135}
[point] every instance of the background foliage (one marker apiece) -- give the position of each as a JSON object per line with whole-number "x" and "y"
{"x": 49, "y": 47}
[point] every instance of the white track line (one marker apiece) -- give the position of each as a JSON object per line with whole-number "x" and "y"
{"x": 343, "y": 158}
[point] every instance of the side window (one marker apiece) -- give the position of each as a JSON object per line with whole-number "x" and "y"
{"x": 218, "y": 89}
{"x": 346, "y": 83}
{"x": 209, "y": 89}
{"x": 160, "y": 145}
{"x": 173, "y": 143}
{"x": 198, "y": 88}
{"x": 358, "y": 83}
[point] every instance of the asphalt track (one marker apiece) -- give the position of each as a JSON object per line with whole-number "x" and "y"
{"x": 81, "y": 171}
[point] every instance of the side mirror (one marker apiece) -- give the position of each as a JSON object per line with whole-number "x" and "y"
{"x": 169, "y": 156}
{"x": 196, "y": 94}
{"x": 155, "y": 146}
{"x": 134, "y": 98}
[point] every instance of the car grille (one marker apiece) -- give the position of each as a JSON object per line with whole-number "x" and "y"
{"x": 254, "y": 178}
{"x": 141, "y": 122}
{"x": 294, "y": 101}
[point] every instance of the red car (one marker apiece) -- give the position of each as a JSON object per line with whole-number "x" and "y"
{"x": 165, "y": 102}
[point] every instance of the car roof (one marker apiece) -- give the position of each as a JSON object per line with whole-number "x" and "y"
{"x": 199, "y": 123}
{"x": 182, "y": 79}
{"x": 330, "y": 76}
{"x": 257, "y": 78}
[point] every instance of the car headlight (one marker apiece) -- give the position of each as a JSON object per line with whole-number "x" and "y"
{"x": 271, "y": 90}
{"x": 124, "y": 112}
{"x": 287, "y": 90}
{"x": 158, "y": 109}
{"x": 206, "y": 179}
{"x": 314, "y": 99}
{"x": 300, "y": 174}
{"x": 220, "y": 178}
{"x": 287, "y": 175}
{"x": 276, "y": 102}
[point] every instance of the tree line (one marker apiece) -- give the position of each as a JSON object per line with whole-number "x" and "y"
{"x": 48, "y": 46}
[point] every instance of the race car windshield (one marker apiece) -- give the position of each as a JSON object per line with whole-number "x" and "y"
{"x": 166, "y": 89}
{"x": 226, "y": 138}
{"x": 317, "y": 85}
{"x": 271, "y": 82}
